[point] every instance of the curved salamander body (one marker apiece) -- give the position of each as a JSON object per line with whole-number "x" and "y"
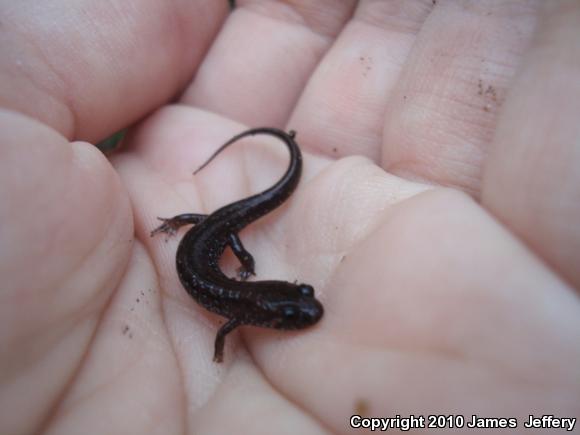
{"x": 272, "y": 304}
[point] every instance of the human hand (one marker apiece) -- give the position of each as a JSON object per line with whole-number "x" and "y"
{"x": 437, "y": 301}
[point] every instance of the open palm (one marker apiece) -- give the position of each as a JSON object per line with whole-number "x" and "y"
{"x": 436, "y": 217}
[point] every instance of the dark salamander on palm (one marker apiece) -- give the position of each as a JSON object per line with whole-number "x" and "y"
{"x": 271, "y": 304}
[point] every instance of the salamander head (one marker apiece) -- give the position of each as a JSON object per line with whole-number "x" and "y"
{"x": 296, "y": 310}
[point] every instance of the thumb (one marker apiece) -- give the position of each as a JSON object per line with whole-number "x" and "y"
{"x": 65, "y": 236}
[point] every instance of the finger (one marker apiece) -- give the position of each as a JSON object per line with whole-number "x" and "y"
{"x": 128, "y": 352}
{"x": 243, "y": 392}
{"x": 90, "y": 68}
{"x": 437, "y": 301}
{"x": 341, "y": 111}
{"x": 531, "y": 181}
{"x": 441, "y": 116}
{"x": 56, "y": 198}
{"x": 262, "y": 58}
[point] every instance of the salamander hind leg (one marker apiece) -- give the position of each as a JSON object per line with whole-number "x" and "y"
{"x": 245, "y": 258}
{"x": 220, "y": 339}
{"x": 171, "y": 225}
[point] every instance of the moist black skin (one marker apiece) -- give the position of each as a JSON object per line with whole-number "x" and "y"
{"x": 271, "y": 304}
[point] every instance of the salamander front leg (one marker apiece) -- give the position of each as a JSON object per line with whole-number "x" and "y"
{"x": 220, "y": 339}
{"x": 245, "y": 258}
{"x": 171, "y": 225}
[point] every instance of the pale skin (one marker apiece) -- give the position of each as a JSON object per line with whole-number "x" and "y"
{"x": 446, "y": 256}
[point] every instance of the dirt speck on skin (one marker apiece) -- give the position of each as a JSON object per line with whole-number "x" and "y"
{"x": 489, "y": 93}
{"x": 367, "y": 62}
{"x": 490, "y": 90}
{"x": 361, "y": 407}
{"x": 127, "y": 331}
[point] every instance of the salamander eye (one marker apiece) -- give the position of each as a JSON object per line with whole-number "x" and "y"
{"x": 289, "y": 312}
{"x": 306, "y": 290}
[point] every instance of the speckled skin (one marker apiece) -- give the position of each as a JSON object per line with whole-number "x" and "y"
{"x": 272, "y": 304}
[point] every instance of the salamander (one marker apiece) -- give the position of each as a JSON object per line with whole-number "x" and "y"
{"x": 270, "y": 304}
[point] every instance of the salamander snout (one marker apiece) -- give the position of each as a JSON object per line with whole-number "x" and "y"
{"x": 312, "y": 312}
{"x": 300, "y": 313}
